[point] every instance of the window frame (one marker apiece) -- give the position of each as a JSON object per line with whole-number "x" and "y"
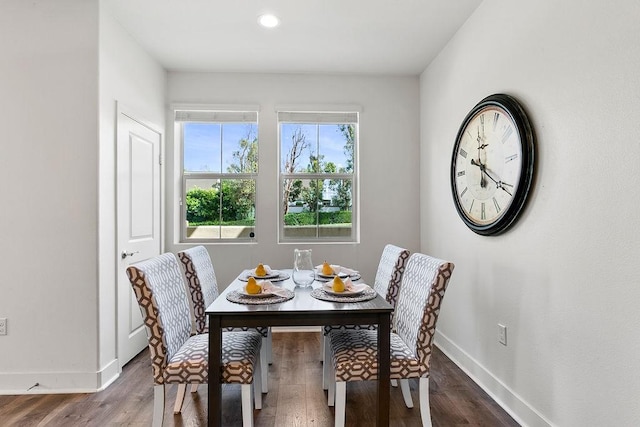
{"x": 297, "y": 114}
{"x": 198, "y": 113}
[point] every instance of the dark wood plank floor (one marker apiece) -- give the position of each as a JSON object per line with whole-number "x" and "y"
{"x": 295, "y": 397}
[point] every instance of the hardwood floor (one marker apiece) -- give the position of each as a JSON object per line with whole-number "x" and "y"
{"x": 295, "y": 397}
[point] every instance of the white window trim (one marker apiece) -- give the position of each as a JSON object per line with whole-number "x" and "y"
{"x": 355, "y": 214}
{"x": 180, "y": 201}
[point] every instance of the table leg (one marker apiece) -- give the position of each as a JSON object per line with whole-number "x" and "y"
{"x": 215, "y": 387}
{"x": 384, "y": 366}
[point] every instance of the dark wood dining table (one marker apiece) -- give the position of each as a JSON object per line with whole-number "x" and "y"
{"x": 302, "y": 310}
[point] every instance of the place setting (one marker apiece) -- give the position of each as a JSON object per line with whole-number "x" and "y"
{"x": 327, "y": 272}
{"x": 260, "y": 287}
{"x": 342, "y": 289}
{"x": 263, "y": 272}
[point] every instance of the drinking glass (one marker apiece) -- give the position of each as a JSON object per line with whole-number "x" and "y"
{"x": 303, "y": 269}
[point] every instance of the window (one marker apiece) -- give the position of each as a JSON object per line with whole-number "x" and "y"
{"x": 318, "y": 175}
{"x": 219, "y": 170}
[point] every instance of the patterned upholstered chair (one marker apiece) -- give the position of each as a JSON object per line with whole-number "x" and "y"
{"x": 177, "y": 356}
{"x": 203, "y": 288}
{"x": 387, "y": 283}
{"x": 354, "y": 352}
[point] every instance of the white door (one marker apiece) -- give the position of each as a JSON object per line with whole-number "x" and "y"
{"x": 138, "y": 221}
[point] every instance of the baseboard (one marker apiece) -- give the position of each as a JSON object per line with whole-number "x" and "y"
{"x": 513, "y": 404}
{"x": 58, "y": 382}
{"x": 108, "y": 374}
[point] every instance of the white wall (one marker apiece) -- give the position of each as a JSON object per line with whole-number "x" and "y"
{"x": 130, "y": 77}
{"x": 565, "y": 279}
{"x": 49, "y": 214}
{"x": 389, "y": 168}
{"x": 63, "y": 65}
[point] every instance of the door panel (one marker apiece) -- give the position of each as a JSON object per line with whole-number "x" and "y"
{"x": 138, "y": 222}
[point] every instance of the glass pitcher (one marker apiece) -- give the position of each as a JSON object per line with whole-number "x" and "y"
{"x": 303, "y": 270}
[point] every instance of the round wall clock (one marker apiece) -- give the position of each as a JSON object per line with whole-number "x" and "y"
{"x": 492, "y": 165}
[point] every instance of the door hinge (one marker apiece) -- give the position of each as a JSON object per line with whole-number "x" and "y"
{"x": 160, "y": 160}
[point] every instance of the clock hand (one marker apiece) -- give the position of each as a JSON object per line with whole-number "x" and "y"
{"x": 499, "y": 184}
{"x": 481, "y": 146}
{"x": 483, "y": 181}
{"x": 481, "y": 143}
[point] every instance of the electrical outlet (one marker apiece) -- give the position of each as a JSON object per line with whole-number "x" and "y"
{"x": 502, "y": 334}
{"x": 3, "y": 326}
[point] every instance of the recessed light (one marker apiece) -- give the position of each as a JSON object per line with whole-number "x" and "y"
{"x": 268, "y": 20}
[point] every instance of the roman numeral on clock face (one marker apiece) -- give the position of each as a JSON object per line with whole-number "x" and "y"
{"x": 463, "y": 153}
{"x": 507, "y": 133}
{"x": 495, "y": 203}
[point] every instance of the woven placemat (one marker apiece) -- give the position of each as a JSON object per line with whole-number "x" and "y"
{"x": 239, "y": 298}
{"x": 367, "y": 295}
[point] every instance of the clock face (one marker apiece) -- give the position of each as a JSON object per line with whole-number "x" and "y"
{"x": 492, "y": 165}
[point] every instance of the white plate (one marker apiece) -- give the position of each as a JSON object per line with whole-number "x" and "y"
{"x": 331, "y": 276}
{"x": 272, "y": 275}
{"x": 357, "y": 290}
{"x": 243, "y": 291}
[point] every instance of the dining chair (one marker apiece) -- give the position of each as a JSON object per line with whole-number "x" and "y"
{"x": 177, "y": 356}
{"x": 386, "y": 283}
{"x": 353, "y": 353}
{"x": 203, "y": 289}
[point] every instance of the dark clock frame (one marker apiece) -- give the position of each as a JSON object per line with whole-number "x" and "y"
{"x": 512, "y": 107}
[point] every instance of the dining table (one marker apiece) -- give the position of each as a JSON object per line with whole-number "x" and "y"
{"x": 304, "y": 308}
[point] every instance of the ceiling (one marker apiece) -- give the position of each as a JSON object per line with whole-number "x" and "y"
{"x": 379, "y": 37}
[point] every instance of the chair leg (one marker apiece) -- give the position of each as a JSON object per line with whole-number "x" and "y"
{"x": 264, "y": 364}
{"x": 182, "y": 389}
{"x": 331, "y": 393}
{"x": 341, "y": 403}
{"x": 406, "y": 393}
{"x": 425, "y": 410}
{"x": 269, "y": 347}
{"x": 323, "y": 343}
{"x": 257, "y": 385}
{"x": 194, "y": 388}
{"x": 158, "y": 405}
{"x": 247, "y": 407}
{"x": 325, "y": 365}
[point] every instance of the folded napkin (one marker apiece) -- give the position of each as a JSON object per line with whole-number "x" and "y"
{"x": 269, "y": 287}
{"x": 346, "y": 270}
{"x": 348, "y": 285}
{"x": 337, "y": 269}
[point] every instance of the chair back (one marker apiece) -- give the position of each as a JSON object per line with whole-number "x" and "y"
{"x": 389, "y": 274}
{"x": 161, "y": 293}
{"x": 201, "y": 278}
{"x": 423, "y": 285}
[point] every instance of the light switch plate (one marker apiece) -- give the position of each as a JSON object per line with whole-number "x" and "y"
{"x": 502, "y": 334}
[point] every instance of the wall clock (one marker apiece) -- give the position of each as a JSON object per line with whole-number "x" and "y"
{"x": 492, "y": 164}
